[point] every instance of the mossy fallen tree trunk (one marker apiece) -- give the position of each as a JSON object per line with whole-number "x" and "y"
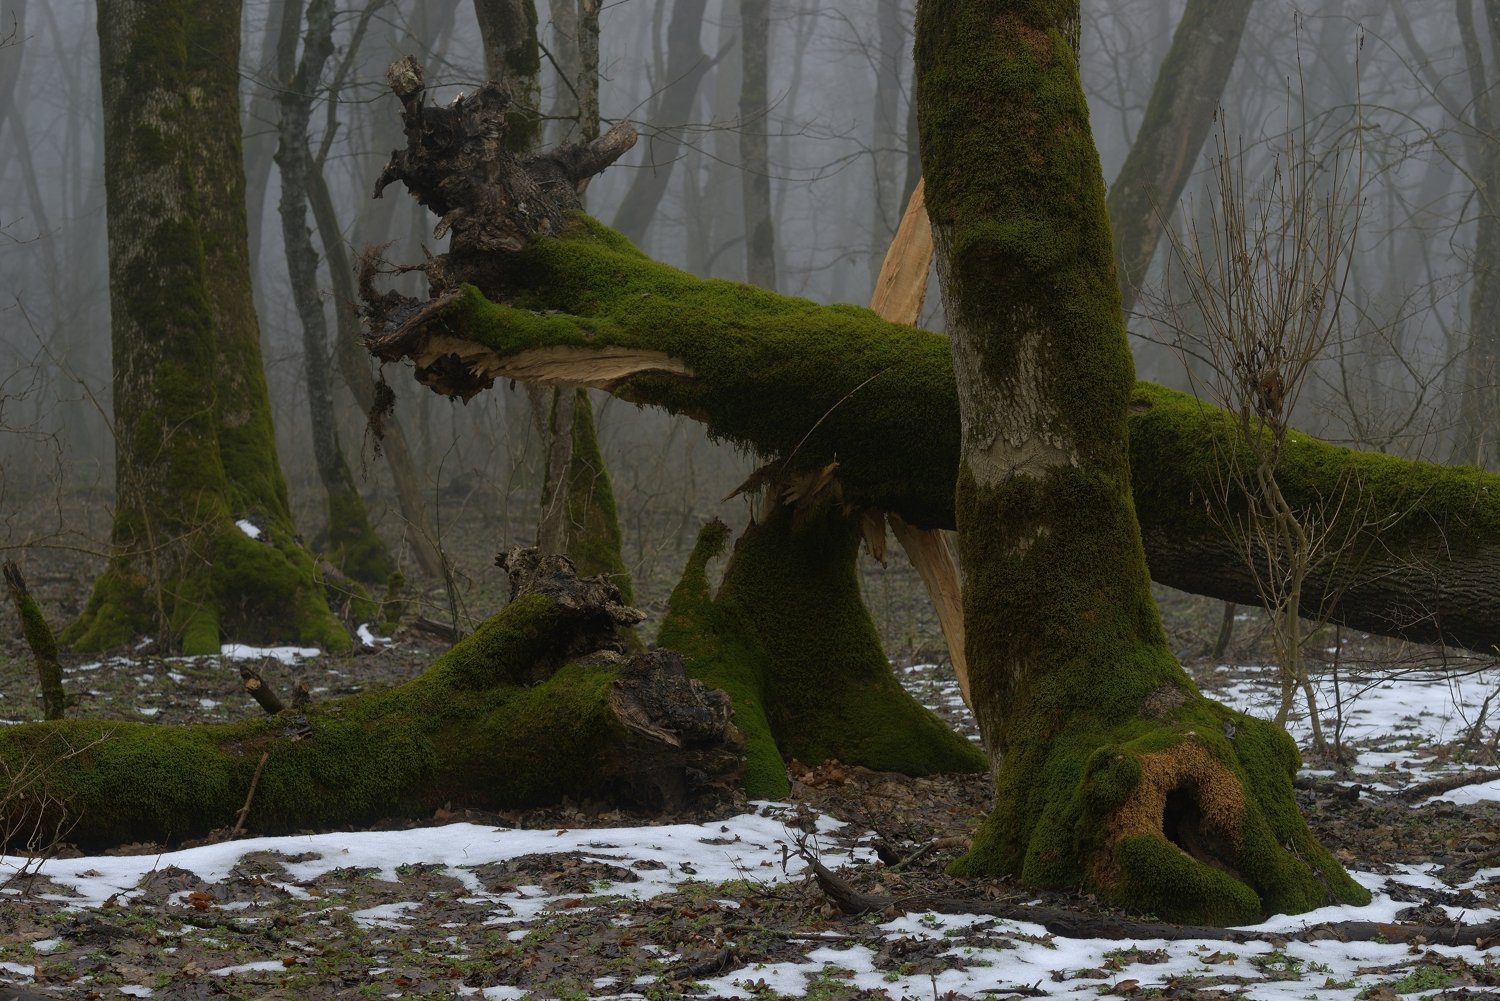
{"x": 533, "y": 292}
{"x": 537, "y": 705}
{"x": 814, "y": 384}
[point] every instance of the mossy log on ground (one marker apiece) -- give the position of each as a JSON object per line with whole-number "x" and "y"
{"x": 1422, "y": 560}
{"x": 788, "y": 636}
{"x": 535, "y": 706}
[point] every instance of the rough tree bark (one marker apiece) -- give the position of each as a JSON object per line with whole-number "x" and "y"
{"x": 1476, "y": 437}
{"x": 351, "y": 542}
{"x": 538, "y": 704}
{"x": 193, "y": 439}
{"x": 1188, "y": 88}
{"x": 1113, "y": 772}
{"x": 513, "y": 59}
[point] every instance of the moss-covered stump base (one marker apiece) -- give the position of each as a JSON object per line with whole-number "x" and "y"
{"x": 538, "y": 705}
{"x": 789, "y": 638}
{"x": 1187, "y": 814}
{"x": 264, "y": 588}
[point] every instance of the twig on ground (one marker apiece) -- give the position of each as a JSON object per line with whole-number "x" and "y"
{"x": 1445, "y": 783}
{"x": 239, "y": 821}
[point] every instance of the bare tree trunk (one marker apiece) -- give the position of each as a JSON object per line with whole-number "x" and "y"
{"x": 513, "y": 60}
{"x": 588, "y": 60}
{"x": 1477, "y": 434}
{"x": 1183, "y": 103}
{"x": 260, "y": 129}
{"x": 565, "y": 46}
{"x": 671, "y": 107}
{"x": 760, "y": 232}
{"x": 353, "y": 546}
{"x": 886, "y": 136}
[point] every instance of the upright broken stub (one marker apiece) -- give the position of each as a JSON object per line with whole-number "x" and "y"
{"x": 1188, "y": 815}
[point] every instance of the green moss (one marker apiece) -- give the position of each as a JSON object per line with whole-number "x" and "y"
{"x": 1114, "y": 773}
{"x": 789, "y": 639}
{"x": 353, "y": 545}
{"x": 476, "y": 728}
{"x": 880, "y": 399}
{"x": 722, "y": 654}
{"x": 1163, "y": 880}
{"x": 593, "y": 523}
{"x": 192, "y": 415}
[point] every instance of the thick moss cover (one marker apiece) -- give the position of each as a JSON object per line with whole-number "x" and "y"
{"x": 195, "y": 449}
{"x": 474, "y": 728}
{"x": 810, "y": 384}
{"x": 789, "y": 638}
{"x": 1113, "y": 772}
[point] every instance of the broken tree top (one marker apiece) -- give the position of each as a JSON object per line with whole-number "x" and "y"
{"x": 455, "y": 163}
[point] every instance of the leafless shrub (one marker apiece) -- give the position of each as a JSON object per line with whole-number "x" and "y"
{"x": 1265, "y": 269}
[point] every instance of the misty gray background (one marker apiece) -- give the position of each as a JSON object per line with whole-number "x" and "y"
{"x": 1388, "y": 78}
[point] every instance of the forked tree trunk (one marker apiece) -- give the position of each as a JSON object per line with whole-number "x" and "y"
{"x": 193, "y": 439}
{"x": 1112, "y": 772}
{"x": 788, "y": 636}
{"x": 351, "y": 542}
{"x": 1189, "y": 87}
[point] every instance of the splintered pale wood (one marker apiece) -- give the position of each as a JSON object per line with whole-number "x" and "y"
{"x": 899, "y": 293}
{"x": 902, "y": 286}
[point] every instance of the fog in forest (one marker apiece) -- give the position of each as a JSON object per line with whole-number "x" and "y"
{"x": 1384, "y": 109}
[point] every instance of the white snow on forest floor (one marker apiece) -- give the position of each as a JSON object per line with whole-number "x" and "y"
{"x": 1392, "y": 723}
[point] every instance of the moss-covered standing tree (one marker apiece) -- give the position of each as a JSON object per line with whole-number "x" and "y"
{"x": 1112, "y": 771}
{"x": 194, "y": 446}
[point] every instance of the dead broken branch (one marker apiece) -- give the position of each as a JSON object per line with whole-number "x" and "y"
{"x": 1078, "y": 924}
